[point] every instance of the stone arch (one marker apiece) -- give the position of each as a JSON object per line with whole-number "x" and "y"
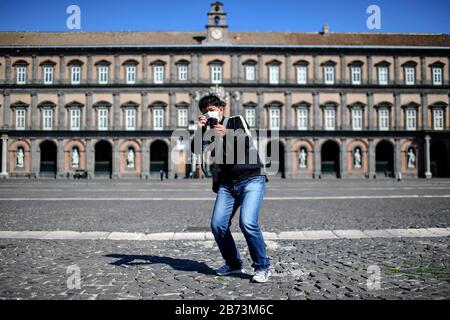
{"x": 68, "y": 149}
{"x": 13, "y": 149}
{"x": 123, "y": 156}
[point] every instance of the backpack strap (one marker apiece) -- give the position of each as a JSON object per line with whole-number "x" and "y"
{"x": 225, "y": 122}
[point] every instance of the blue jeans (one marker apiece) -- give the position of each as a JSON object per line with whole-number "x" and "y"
{"x": 248, "y": 194}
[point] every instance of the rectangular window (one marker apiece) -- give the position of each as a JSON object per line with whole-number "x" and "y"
{"x": 183, "y": 117}
{"x": 75, "y": 119}
{"x": 411, "y": 119}
{"x": 250, "y": 117}
{"x": 383, "y": 77}
{"x": 47, "y": 119}
{"x": 21, "y": 73}
{"x": 357, "y": 119}
{"x": 438, "y": 119}
{"x": 356, "y": 75}
{"x": 102, "y": 119}
{"x": 130, "y": 119}
{"x": 274, "y": 118}
{"x": 131, "y": 74}
{"x": 158, "y": 74}
{"x": 182, "y": 73}
{"x": 75, "y": 75}
{"x": 158, "y": 119}
{"x": 437, "y": 76}
{"x": 274, "y": 74}
{"x": 383, "y": 119}
{"x": 409, "y": 75}
{"x": 216, "y": 74}
{"x": 330, "y": 119}
{"x": 103, "y": 75}
{"x": 48, "y": 75}
{"x": 329, "y": 75}
{"x": 302, "y": 119}
{"x": 249, "y": 73}
{"x": 302, "y": 75}
{"x": 20, "y": 119}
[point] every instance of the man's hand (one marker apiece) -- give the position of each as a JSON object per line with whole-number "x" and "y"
{"x": 202, "y": 121}
{"x": 220, "y": 129}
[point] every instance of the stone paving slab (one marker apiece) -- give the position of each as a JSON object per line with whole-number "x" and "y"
{"x": 409, "y": 268}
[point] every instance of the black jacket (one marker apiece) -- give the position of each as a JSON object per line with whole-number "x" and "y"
{"x": 246, "y": 162}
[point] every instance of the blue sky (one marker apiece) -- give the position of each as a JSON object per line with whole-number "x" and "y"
{"x": 244, "y": 15}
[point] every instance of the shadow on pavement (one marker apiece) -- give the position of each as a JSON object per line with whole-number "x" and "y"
{"x": 177, "y": 264}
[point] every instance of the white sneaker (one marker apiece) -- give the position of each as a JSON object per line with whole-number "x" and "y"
{"x": 261, "y": 276}
{"x": 226, "y": 270}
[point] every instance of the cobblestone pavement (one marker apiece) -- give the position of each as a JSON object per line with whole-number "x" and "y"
{"x": 409, "y": 268}
{"x": 326, "y": 269}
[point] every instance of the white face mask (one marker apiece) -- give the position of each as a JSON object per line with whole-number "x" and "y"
{"x": 212, "y": 114}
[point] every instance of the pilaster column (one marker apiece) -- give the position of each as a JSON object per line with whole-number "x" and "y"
{"x": 144, "y": 110}
{"x": 61, "y": 111}
{"x": 316, "y": 111}
{"x": 260, "y": 68}
{"x": 90, "y": 158}
{"x": 343, "y": 158}
{"x": 397, "y": 69}
{"x": 172, "y": 110}
{"x": 344, "y": 113}
{"x": 233, "y": 70}
{"x": 194, "y": 69}
{"x": 34, "y": 158}
{"x": 370, "y": 117}
{"x": 260, "y": 111}
{"x": 199, "y": 67}
{"x": 397, "y": 110}
{"x": 424, "y": 108}
{"x": 116, "y": 159}
{"x": 172, "y": 69}
{"x": 62, "y": 68}
{"x": 423, "y": 71}
{"x": 428, "y": 174}
{"x": 286, "y": 109}
{"x": 342, "y": 62}
{"x": 193, "y": 105}
{"x": 145, "y": 165}
{"x": 34, "y": 111}
{"x": 88, "y": 110}
{"x": 238, "y": 68}
{"x": 397, "y": 157}
{"x": 6, "y": 110}
{"x": 234, "y": 104}
{"x": 116, "y": 106}
{"x": 369, "y": 70}
{"x": 9, "y": 78}
{"x": 34, "y": 66}
{"x": 144, "y": 68}
{"x": 372, "y": 159}
{"x": 60, "y": 159}
{"x": 316, "y": 69}
{"x": 4, "y": 164}
{"x": 116, "y": 68}
{"x": 90, "y": 66}
{"x": 317, "y": 168}
{"x": 288, "y": 78}
{"x": 288, "y": 158}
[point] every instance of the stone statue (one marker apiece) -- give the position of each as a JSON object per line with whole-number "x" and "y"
{"x": 130, "y": 158}
{"x": 357, "y": 158}
{"x": 411, "y": 158}
{"x": 302, "y": 158}
{"x": 20, "y": 158}
{"x": 75, "y": 158}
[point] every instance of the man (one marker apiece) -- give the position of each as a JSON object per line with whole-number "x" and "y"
{"x": 239, "y": 183}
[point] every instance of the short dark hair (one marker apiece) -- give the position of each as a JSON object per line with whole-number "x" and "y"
{"x": 210, "y": 100}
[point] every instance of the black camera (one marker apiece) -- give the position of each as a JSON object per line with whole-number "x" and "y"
{"x": 212, "y": 122}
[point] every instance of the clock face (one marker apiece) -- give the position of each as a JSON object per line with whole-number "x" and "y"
{"x": 216, "y": 34}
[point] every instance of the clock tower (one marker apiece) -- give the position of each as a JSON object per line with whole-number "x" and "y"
{"x": 217, "y": 28}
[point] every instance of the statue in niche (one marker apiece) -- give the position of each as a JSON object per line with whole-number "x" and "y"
{"x": 75, "y": 158}
{"x": 130, "y": 158}
{"x": 357, "y": 158}
{"x": 20, "y": 158}
{"x": 411, "y": 158}
{"x": 302, "y": 158}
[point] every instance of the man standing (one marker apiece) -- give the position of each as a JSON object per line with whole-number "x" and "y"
{"x": 240, "y": 183}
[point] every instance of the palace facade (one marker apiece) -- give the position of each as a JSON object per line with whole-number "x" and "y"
{"x": 362, "y": 105}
